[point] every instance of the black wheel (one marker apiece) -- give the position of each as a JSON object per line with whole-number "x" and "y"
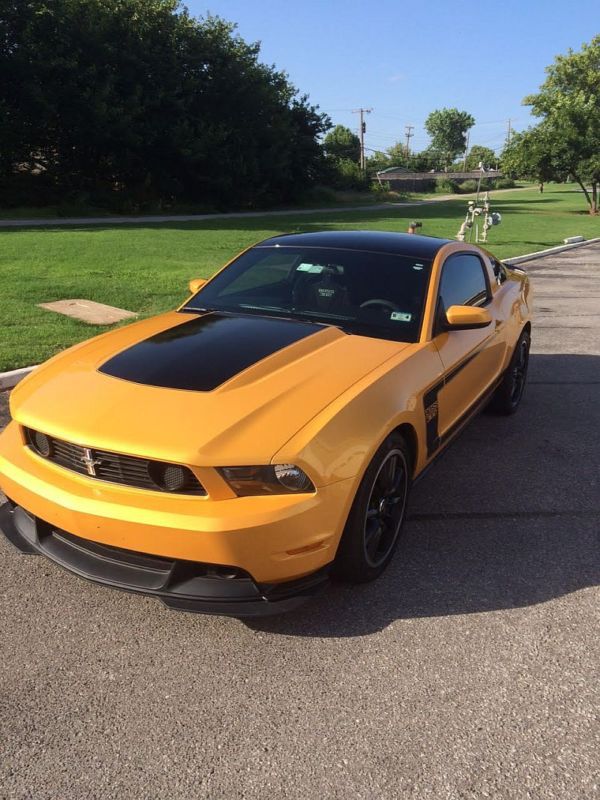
{"x": 507, "y": 396}
{"x": 373, "y": 528}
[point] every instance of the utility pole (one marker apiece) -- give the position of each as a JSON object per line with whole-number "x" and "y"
{"x": 466, "y": 151}
{"x": 409, "y": 134}
{"x": 363, "y": 128}
{"x": 509, "y": 131}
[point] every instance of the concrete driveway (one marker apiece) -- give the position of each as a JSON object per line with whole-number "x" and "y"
{"x": 469, "y": 670}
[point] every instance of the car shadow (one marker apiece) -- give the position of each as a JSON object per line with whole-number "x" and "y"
{"x": 509, "y": 517}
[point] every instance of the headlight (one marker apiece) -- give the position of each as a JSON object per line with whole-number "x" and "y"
{"x": 270, "y": 479}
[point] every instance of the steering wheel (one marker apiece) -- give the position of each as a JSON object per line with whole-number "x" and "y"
{"x": 381, "y": 303}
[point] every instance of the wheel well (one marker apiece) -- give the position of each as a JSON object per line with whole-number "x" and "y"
{"x": 410, "y": 436}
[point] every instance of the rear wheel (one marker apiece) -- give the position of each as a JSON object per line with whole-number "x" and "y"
{"x": 373, "y": 528}
{"x": 507, "y": 397}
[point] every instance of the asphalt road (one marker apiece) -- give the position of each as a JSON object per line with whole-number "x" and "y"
{"x": 470, "y": 670}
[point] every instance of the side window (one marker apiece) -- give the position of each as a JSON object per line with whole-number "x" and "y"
{"x": 463, "y": 281}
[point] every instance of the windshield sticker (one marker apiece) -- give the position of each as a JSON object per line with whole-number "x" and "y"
{"x": 314, "y": 268}
{"x": 400, "y": 316}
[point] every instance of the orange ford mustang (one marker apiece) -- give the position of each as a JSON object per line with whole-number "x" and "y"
{"x": 229, "y": 456}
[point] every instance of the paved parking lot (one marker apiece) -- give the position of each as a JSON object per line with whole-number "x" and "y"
{"x": 469, "y": 670}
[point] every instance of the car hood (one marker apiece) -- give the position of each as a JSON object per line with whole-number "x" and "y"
{"x": 202, "y": 389}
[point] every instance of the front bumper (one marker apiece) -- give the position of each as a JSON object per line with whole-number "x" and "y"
{"x": 180, "y": 584}
{"x": 274, "y": 539}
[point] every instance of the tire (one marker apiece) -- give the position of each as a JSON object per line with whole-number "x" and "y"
{"x": 375, "y": 521}
{"x": 507, "y": 397}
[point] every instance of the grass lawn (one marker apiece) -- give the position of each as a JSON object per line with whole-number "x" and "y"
{"x": 145, "y": 268}
{"x": 328, "y": 198}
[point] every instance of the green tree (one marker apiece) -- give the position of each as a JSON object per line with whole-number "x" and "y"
{"x": 536, "y": 154}
{"x": 342, "y": 143}
{"x": 478, "y": 154}
{"x": 425, "y": 161}
{"x": 448, "y": 130}
{"x": 348, "y": 175}
{"x": 568, "y": 103}
{"x": 136, "y": 99}
{"x": 397, "y": 155}
{"x": 378, "y": 161}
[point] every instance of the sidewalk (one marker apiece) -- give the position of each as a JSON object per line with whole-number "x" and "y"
{"x": 153, "y": 218}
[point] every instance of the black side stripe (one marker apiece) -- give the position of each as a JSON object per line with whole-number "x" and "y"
{"x": 459, "y": 426}
{"x": 453, "y": 373}
{"x": 431, "y": 408}
{"x": 431, "y": 404}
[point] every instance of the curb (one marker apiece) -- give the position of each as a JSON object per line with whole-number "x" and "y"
{"x": 550, "y": 251}
{"x": 10, "y": 379}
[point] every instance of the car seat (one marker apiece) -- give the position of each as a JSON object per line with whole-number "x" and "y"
{"x": 325, "y": 291}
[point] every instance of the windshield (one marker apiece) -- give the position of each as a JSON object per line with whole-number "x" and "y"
{"x": 371, "y": 294}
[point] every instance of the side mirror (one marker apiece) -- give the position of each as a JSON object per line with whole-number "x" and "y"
{"x": 466, "y": 318}
{"x": 196, "y": 284}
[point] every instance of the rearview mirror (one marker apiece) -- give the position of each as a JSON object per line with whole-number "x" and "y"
{"x": 195, "y": 284}
{"x": 465, "y": 318}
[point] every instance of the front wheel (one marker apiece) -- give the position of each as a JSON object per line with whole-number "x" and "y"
{"x": 373, "y": 528}
{"x": 508, "y": 395}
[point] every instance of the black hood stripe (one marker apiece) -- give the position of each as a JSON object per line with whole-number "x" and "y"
{"x": 206, "y": 351}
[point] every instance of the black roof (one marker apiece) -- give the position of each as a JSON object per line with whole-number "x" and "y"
{"x": 405, "y": 244}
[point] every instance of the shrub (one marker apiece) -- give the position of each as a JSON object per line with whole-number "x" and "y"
{"x": 504, "y": 183}
{"x": 319, "y": 195}
{"x": 446, "y": 186}
{"x": 467, "y": 187}
{"x": 378, "y": 188}
{"x": 348, "y": 175}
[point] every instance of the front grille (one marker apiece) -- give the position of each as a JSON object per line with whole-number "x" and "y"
{"x": 105, "y": 465}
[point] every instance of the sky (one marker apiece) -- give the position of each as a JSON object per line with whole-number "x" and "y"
{"x": 405, "y": 59}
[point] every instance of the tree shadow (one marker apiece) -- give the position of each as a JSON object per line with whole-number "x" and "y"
{"x": 509, "y": 517}
{"x": 310, "y": 219}
{"x": 305, "y": 221}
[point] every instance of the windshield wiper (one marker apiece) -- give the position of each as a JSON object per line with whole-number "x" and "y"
{"x": 265, "y": 308}
{"x": 313, "y": 316}
{"x": 321, "y": 319}
{"x": 332, "y": 317}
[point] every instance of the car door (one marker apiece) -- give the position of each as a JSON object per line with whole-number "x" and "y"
{"x": 472, "y": 359}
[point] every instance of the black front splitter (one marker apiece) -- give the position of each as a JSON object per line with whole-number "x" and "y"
{"x": 182, "y": 585}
